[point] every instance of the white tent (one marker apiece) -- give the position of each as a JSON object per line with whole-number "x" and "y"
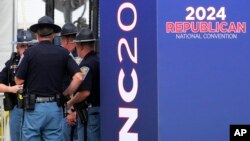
{"x": 7, "y": 34}
{"x": 7, "y": 29}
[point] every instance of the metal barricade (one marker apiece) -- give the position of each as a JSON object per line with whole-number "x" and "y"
{"x": 4, "y": 122}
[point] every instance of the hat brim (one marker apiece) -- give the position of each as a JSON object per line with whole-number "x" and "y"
{"x": 65, "y": 34}
{"x": 26, "y": 42}
{"x": 82, "y": 41}
{"x": 34, "y": 27}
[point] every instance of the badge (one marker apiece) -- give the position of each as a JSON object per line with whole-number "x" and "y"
{"x": 84, "y": 71}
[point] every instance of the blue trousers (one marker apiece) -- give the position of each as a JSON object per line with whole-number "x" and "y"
{"x": 43, "y": 124}
{"x": 67, "y": 129}
{"x": 15, "y": 123}
{"x": 93, "y": 127}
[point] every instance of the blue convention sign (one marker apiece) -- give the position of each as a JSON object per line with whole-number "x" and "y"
{"x": 176, "y": 71}
{"x": 203, "y": 56}
{"x": 128, "y": 71}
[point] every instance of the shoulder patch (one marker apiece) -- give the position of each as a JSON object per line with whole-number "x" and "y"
{"x": 84, "y": 71}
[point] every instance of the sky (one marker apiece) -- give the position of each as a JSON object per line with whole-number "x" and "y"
{"x": 29, "y": 11}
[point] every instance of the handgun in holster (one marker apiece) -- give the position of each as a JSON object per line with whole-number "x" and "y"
{"x": 29, "y": 101}
{"x": 82, "y": 111}
{"x": 8, "y": 102}
{"x": 61, "y": 101}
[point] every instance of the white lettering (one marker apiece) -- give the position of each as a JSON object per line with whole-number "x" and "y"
{"x": 239, "y": 132}
{"x": 128, "y": 96}
{"x": 121, "y": 8}
{"x": 209, "y": 14}
{"x": 132, "y": 115}
{"x": 124, "y": 42}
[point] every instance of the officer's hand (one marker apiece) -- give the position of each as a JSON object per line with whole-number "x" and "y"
{"x": 71, "y": 118}
{"x": 14, "y": 89}
{"x": 69, "y": 105}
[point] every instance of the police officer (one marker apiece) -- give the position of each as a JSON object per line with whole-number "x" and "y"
{"x": 41, "y": 71}
{"x": 68, "y": 34}
{"x": 89, "y": 91}
{"x": 8, "y": 86}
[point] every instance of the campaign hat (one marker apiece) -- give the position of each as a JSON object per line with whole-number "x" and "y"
{"x": 85, "y": 35}
{"x": 45, "y": 21}
{"x": 68, "y": 29}
{"x": 23, "y": 37}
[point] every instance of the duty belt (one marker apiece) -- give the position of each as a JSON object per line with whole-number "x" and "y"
{"x": 45, "y": 99}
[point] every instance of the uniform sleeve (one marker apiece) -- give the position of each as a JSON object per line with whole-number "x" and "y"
{"x": 87, "y": 79}
{"x": 4, "y": 74}
{"x": 72, "y": 67}
{"x": 23, "y": 66}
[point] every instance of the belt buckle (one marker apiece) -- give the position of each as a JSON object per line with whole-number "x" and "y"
{"x": 44, "y": 99}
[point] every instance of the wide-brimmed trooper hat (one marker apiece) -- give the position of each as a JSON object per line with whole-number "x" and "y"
{"x": 23, "y": 37}
{"x": 47, "y": 22}
{"x": 68, "y": 29}
{"x": 85, "y": 35}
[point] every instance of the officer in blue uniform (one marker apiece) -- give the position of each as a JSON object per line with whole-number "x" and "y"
{"x": 68, "y": 34}
{"x": 87, "y": 99}
{"x": 8, "y": 86}
{"x": 41, "y": 71}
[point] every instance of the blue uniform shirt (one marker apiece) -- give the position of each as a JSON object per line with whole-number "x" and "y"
{"x": 7, "y": 75}
{"x": 4, "y": 73}
{"x": 8, "y": 72}
{"x": 91, "y": 74}
{"x": 67, "y": 77}
{"x": 43, "y": 68}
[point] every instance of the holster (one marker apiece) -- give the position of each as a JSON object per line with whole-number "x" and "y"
{"x": 82, "y": 111}
{"x": 82, "y": 114}
{"x": 29, "y": 101}
{"x": 8, "y": 102}
{"x": 61, "y": 101}
{"x": 20, "y": 100}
